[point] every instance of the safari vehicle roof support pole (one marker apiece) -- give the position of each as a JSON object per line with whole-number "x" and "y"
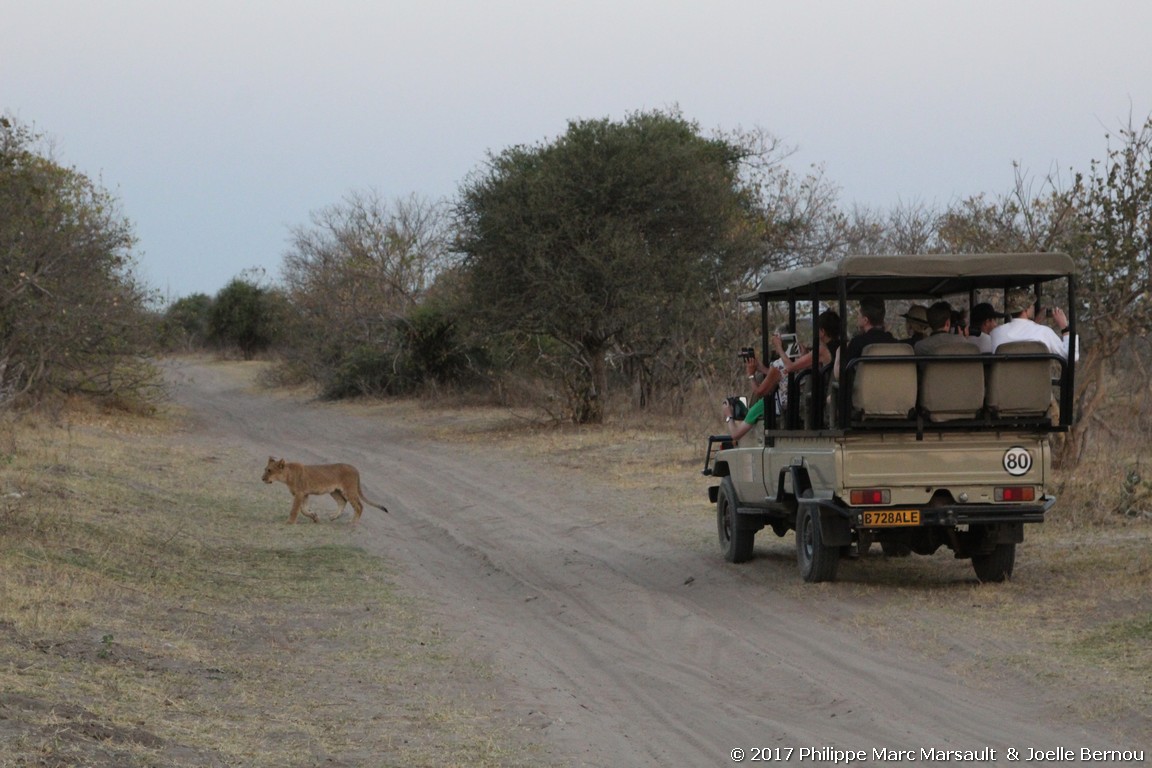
{"x": 818, "y": 393}
{"x": 1067, "y": 393}
{"x": 769, "y": 420}
{"x": 841, "y": 407}
{"x": 790, "y": 416}
{"x": 765, "y": 337}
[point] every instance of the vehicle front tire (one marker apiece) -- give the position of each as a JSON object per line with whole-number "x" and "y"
{"x": 996, "y": 566}
{"x": 736, "y": 539}
{"x": 817, "y": 562}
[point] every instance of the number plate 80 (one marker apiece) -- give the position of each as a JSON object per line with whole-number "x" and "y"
{"x": 1017, "y": 461}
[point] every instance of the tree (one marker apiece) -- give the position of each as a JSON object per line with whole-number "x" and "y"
{"x": 73, "y": 318}
{"x": 365, "y": 258}
{"x": 246, "y": 316}
{"x": 1024, "y": 220}
{"x": 613, "y": 235}
{"x": 187, "y": 323}
{"x": 354, "y": 278}
{"x": 1112, "y": 244}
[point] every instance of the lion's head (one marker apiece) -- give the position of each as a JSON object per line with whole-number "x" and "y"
{"x": 274, "y": 470}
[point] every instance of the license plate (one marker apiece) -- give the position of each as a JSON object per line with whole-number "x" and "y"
{"x": 889, "y": 518}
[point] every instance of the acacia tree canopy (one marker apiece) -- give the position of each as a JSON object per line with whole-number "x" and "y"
{"x": 609, "y": 234}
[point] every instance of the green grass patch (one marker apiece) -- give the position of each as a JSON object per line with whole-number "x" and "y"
{"x": 1124, "y": 645}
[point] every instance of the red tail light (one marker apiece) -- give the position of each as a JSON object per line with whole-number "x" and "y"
{"x": 870, "y": 497}
{"x": 1016, "y": 493}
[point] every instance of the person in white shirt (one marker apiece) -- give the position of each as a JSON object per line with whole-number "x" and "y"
{"x": 1020, "y": 305}
{"x": 984, "y": 318}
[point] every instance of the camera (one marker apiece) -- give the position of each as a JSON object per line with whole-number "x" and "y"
{"x": 790, "y": 341}
{"x": 1047, "y": 311}
{"x": 739, "y": 407}
{"x": 747, "y": 353}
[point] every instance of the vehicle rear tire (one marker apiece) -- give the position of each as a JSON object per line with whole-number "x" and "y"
{"x": 996, "y": 566}
{"x": 736, "y": 539}
{"x": 817, "y": 562}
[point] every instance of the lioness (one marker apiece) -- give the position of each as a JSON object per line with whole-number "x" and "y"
{"x": 341, "y": 481}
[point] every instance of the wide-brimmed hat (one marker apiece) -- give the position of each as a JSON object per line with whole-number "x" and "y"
{"x": 917, "y": 317}
{"x": 983, "y": 312}
{"x": 1018, "y": 300}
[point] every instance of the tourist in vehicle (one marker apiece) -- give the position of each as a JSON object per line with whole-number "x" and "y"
{"x": 775, "y": 374}
{"x": 960, "y": 322}
{"x": 984, "y": 319}
{"x": 737, "y": 427}
{"x": 870, "y": 321}
{"x": 940, "y": 321}
{"x": 916, "y": 321}
{"x": 827, "y": 333}
{"x": 1020, "y": 305}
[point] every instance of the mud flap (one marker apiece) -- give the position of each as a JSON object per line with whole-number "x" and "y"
{"x": 834, "y": 528}
{"x": 1006, "y": 533}
{"x": 984, "y": 539}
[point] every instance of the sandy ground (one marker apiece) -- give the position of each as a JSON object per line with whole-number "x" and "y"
{"x": 616, "y": 647}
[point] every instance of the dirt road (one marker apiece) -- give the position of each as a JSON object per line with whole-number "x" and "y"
{"x": 618, "y": 647}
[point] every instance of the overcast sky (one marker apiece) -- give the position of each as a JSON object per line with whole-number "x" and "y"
{"x": 220, "y": 125}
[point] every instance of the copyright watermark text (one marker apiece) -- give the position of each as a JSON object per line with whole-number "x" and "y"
{"x": 838, "y": 756}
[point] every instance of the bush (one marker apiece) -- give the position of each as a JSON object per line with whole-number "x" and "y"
{"x": 424, "y": 349}
{"x": 434, "y": 350}
{"x": 363, "y": 370}
{"x": 187, "y": 323}
{"x": 245, "y": 316}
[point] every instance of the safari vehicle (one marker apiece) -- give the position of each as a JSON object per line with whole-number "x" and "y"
{"x": 912, "y": 452}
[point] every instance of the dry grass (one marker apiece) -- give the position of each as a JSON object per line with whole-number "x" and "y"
{"x": 150, "y": 615}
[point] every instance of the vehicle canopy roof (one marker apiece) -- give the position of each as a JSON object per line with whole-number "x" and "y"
{"x": 913, "y": 275}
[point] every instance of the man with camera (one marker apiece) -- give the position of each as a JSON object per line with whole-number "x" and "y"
{"x": 786, "y": 344}
{"x": 772, "y": 374}
{"x": 737, "y": 414}
{"x": 1020, "y": 304}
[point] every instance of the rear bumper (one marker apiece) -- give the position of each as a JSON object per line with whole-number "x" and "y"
{"x": 953, "y": 515}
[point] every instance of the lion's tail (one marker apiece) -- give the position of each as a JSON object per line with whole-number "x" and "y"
{"x": 369, "y": 502}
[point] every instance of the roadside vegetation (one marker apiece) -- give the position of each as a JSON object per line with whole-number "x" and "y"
{"x": 73, "y": 316}
{"x": 603, "y": 262}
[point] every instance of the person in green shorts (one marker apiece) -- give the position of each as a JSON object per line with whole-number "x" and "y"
{"x": 740, "y": 428}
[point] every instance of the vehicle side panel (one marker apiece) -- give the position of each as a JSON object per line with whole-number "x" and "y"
{"x": 744, "y": 467}
{"x": 820, "y": 456}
